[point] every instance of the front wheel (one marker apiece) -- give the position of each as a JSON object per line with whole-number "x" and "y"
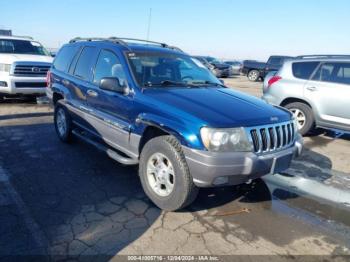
{"x": 253, "y": 75}
{"x": 63, "y": 124}
{"x": 304, "y": 116}
{"x": 164, "y": 174}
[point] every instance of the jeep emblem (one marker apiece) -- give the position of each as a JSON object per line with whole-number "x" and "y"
{"x": 274, "y": 118}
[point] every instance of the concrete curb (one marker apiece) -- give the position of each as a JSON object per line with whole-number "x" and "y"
{"x": 310, "y": 188}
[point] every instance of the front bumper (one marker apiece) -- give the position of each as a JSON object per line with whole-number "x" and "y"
{"x": 22, "y": 85}
{"x": 210, "y": 169}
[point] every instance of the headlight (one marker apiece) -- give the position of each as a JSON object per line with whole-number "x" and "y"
{"x": 5, "y": 67}
{"x": 225, "y": 140}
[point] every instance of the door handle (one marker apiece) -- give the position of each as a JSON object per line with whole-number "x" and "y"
{"x": 92, "y": 93}
{"x": 311, "y": 88}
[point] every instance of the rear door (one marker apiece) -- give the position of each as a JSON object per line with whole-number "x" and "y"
{"x": 329, "y": 91}
{"x": 81, "y": 69}
{"x": 111, "y": 109}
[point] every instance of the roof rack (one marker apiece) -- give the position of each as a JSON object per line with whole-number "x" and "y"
{"x": 90, "y": 39}
{"x": 322, "y": 56}
{"x": 21, "y": 36}
{"x": 122, "y": 41}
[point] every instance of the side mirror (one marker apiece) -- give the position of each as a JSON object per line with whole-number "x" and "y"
{"x": 112, "y": 84}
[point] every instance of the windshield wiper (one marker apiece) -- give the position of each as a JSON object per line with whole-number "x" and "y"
{"x": 209, "y": 83}
{"x": 169, "y": 83}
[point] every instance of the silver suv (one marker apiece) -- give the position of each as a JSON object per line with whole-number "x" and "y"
{"x": 316, "y": 89}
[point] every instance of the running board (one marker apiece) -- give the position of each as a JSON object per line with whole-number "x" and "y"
{"x": 111, "y": 153}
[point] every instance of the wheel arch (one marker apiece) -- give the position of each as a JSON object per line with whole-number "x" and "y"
{"x": 290, "y": 100}
{"x": 56, "y": 97}
{"x": 151, "y": 126}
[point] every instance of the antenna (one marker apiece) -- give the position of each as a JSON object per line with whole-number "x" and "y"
{"x": 149, "y": 23}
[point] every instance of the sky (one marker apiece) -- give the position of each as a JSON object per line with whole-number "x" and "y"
{"x": 232, "y": 29}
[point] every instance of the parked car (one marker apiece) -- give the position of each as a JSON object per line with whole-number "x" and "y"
{"x": 221, "y": 70}
{"x": 255, "y": 70}
{"x": 236, "y": 67}
{"x": 23, "y": 67}
{"x": 156, "y": 106}
{"x": 206, "y": 63}
{"x": 316, "y": 89}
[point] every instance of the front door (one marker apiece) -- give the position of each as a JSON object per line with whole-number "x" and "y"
{"x": 111, "y": 109}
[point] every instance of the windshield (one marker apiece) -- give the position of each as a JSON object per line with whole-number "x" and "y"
{"x": 212, "y": 60}
{"x": 162, "y": 69}
{"x": 13, "y": 46}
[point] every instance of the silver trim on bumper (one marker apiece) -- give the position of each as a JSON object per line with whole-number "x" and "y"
{"x": 238, "y": 167}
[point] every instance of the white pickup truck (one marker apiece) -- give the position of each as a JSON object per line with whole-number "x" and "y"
{"x": 23, "y": 67}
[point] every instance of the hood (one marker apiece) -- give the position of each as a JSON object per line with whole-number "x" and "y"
{"x": 10, "y": 58}
{"x": 218, "y": 107}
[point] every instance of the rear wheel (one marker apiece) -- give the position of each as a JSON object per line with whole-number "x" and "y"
{"x": 164, "y": 174}
{"x": 304, "y": 116}
{"x": 253, "y": 75}
{"x": 63, "y": 123}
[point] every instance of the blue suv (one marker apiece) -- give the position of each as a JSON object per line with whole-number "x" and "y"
{"x": 151, "y": 104}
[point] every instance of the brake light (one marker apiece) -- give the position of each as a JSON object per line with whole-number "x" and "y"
{"x": 48, "y": 79}
{"x": 274, "y": 80}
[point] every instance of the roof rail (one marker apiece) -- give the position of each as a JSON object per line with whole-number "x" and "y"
{"x": 322, "y": 56}
{"x": 123, "y": 41}
{"x": 144, "y": 41}
{"x": 112, "y": 39}
{"x": 23, "y": 36}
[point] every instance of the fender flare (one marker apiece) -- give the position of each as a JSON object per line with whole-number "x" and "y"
{"x": 168, "y": 125}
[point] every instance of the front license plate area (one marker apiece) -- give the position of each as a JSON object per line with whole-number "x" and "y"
{"x": 280, "y": 164}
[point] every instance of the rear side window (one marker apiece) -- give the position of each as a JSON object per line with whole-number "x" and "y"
{"x": 304, "y": 70}
{"x": 333, "y": 72}
{"x": 64, "y": 58}
{"x": 83, "y": 68}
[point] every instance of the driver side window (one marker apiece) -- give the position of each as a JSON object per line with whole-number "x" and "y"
{"x": 108, "y": 65}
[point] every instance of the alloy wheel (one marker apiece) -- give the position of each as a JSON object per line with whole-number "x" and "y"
{"x": 299, "y": 116}
{"x": 160, "y": 174}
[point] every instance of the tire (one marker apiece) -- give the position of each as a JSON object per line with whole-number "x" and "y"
{"x": 158, "y": 152}
{"x": 253, "y": 75}
{"x": 306, "y": 111}
{"x": 63, "y": 124}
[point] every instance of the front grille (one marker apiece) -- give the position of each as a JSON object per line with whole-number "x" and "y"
{"x": 272, "y": 137}
{"x": 30, "y": 84}
{"x": 31, "y": 70}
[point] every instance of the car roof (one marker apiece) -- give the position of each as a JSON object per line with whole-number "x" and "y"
{"x": 132, "y": 47}
{"x": 340, "y": 59}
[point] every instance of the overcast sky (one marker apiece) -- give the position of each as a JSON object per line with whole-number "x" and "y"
{"x": 235, "y": 29}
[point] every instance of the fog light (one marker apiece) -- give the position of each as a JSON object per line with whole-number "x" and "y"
{"x": 220, "y": 180}
{"x": 3, "y": 83}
